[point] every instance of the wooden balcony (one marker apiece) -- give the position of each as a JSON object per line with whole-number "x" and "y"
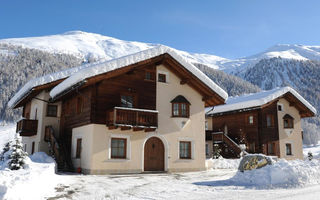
{"x": 27, "y": 127}
{"x": 137, "y": 119}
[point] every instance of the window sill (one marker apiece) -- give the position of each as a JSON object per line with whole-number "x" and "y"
{"x": 185, "y": 160}
{"x": 186, "y": 117}
{"x": 117, "y": 160}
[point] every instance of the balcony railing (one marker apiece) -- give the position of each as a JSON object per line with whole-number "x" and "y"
{"x": 27, "y": 127}
{"x": 120, "y": 116}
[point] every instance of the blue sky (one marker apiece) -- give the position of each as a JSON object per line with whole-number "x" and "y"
{"x": 227, "y": 28}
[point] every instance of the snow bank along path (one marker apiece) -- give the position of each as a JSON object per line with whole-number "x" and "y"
{"x": 281, "y": 174}
{"x": 36, "y": 181}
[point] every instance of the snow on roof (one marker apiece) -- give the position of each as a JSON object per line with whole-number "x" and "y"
{"x": 107, "y": 66}
{"x": 41, "y": 81}
{"x": 258, "y": 99}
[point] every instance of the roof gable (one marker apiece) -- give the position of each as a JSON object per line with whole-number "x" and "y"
{"x": 213, "y": 94}
{"x": 260, "y": 99}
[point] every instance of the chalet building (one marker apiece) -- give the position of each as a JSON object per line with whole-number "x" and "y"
{"x": 267, "y": 122}
{"x": 141, "y": 112}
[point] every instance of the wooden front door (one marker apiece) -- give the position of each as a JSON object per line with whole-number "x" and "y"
{"x": 154, "y": 155}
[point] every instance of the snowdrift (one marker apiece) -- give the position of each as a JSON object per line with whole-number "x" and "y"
{"x": 282, "y": 174}
{"x": 222, "y": 163}
{"x": 36, "y": 181}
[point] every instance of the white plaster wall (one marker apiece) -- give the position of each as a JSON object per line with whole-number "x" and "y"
{"x": 295, "y": 138}
{"x": 43, "y": 121}
{"x": 170, "y": 128}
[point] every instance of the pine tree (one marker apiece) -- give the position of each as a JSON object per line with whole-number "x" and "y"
{"x": 216, "y": 151}
{"x": 5, "y": 149}
{"x": 18, "y": 155}
{"x": 310, "y": 156}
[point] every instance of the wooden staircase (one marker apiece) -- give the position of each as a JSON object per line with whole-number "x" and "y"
{"x": 57, "y": 151}
{"x": 220, "y": 137}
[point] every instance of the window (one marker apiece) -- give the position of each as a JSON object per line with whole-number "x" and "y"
{"x": 180, "y": 110}
{"x": 287, "y": 121}
{"x": 206, "y": 125}
{"x": 280, "y": 108}
{"x": 162, "y": 78}
{"x": 25, "y": 147}
{"x": 32, "y": 150}
{"x": 126, "y": 101}
{"x": 52, "y": 110}
{"x": 207, "y": 149}
{"x": 270, "y": 120}
{"x": 149, "y": 76}
{"x": 79, "y": 105}
{"x": 180, "y": 107}
{"x": 78, "y": 148}
{"x": 118, "y": 148}
{"x": 250, "y": 119}
{"x": 271, "y": 148}
{"x": 288, "y": 149}
{"x": 185, "y": 150}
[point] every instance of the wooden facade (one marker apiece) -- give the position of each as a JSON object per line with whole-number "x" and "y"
{"x": 250, "y": 128}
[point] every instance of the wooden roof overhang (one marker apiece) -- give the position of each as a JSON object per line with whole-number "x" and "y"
{"x": 35, "y": 91}
{"x": 210, "y": 97}
{"x": 304, "y": 111}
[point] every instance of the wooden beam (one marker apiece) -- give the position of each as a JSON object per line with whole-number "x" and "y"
{"x": 137, "y": 129}
{"x": 149, "y": 129}
{"x": 124, "y": 128}
{"x": 112, "y": 127}
{"x": 206, "y": 98}
{"x": 184, "y": 81}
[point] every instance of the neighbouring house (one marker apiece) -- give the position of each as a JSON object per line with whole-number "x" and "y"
{"x": 267, "y": 122}
{"x": 141, "y": 112}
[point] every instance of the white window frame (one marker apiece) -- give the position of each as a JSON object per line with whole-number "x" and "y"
{"x": 74, "y": 146}
{"x": 281, "y": 105}
{"x": 128, "y": 148}
{"x": 285, "y": 146}
{"x": 192, "y": 148}
{"x": 163, "y": 72}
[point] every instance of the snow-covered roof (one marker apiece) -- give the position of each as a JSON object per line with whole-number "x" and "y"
{"x": 42, "y": 81}
{"x": 258, "y": 99}
{"x": 82, "y": 72}
{"x": 107, "y": 66}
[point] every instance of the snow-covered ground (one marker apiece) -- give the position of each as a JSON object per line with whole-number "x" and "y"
{"x": 314, "y": 149}
{"x": 283, "y": 180}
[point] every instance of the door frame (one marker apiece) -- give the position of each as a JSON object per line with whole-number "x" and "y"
{"x": 166, "y": 148}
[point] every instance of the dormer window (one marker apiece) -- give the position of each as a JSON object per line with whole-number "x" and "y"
{"x": 180, "y": 107}
{"x": 287, "y": 121}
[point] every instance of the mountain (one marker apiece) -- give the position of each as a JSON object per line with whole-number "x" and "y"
{"x": 297, "y": 66}
{"x": 91, "y": 46}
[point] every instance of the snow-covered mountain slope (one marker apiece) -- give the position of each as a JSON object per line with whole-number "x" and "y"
{"x": 94, "y": 46}
{"x": 285, "y": 51}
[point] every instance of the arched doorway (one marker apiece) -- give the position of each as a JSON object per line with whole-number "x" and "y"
{"x": 154, "y": 155}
